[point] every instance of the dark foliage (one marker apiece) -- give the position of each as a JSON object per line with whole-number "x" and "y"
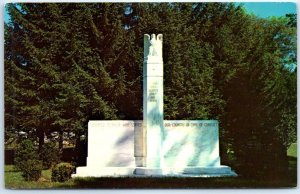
{"x": 27, "y": 161}
{"x": 62, "y": 172}
{"x": 49, "y": 154}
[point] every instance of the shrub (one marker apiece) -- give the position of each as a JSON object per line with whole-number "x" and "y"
{"x": 49, "y": 155}
{"x": 27, "y": 161}
{"x": 25, "y": 151}
{"x": 32, "y": 170}
{"x": 62, "y": 172}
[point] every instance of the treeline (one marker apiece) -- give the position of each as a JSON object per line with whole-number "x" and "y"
{"x": 68, "y": 63}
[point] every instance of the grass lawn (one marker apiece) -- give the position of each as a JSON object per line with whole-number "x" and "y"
{"x": 292, "y": 151}
{"x": 14, "y": 180}
{"x": 179, "y": 182}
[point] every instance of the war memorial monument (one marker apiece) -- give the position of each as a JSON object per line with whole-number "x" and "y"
{"x": 153, "y": 146}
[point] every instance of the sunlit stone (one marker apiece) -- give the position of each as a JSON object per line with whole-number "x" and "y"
{"x": 153, "y": 104}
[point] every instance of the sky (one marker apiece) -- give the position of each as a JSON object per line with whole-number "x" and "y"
{"x": 261, "y": 9}
{"x": 264, "y": 9}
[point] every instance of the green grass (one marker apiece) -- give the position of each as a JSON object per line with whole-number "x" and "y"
{"x": 14, "y": 180}
{"x": 292, "y": 151}
{"x": 178, "y": 182}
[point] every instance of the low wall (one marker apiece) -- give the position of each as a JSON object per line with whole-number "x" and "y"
{"x": 184, "y": 143}
{"x": 188, "y": 143}
{"x": 111, "y": 143}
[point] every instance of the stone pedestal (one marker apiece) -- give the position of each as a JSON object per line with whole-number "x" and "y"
{"x": 153, "y": 106}
{"x": 153, "y": 112}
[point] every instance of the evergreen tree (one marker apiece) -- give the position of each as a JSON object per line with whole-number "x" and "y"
{"x": 254, "y": 117}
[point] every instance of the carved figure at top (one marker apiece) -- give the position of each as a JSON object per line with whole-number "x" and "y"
{"x": 153, "y": 45}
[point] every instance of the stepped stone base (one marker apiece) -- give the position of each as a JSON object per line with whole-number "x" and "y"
{"x": 199, "y": 171}
{"x": 103, "y": 172}
{"x": 148, "y": 171}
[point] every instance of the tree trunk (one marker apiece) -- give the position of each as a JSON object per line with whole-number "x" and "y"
{"x": 61, "y": 139}
{"x": 41, "y": 136}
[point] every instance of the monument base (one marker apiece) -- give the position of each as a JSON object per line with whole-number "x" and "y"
{"x": 103, "y": 172}
{"x": 197, "y": 171}
{"x": 148, "y": 171}
{"x": 200, "y": 171}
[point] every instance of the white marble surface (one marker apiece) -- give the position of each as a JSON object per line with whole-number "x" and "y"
{"x": 153, "y": 120}
{"x": 111, "y": 144}
{"x": 96, "y": 171}
{"x": 110, "y": 149}
{"x": 153, "y": 100}
{"x": 191, "y": 143}
{"x": 188, "y": 147}
{"x": 153, "y": 47}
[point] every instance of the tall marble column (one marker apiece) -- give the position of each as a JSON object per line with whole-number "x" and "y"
{"x": 152, "y": 104}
